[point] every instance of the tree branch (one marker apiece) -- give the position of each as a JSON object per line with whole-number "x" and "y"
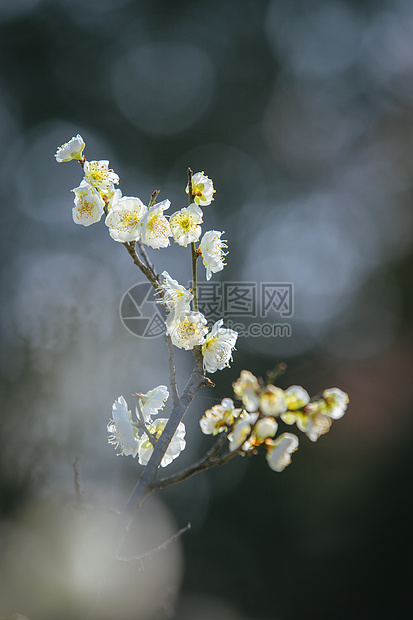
{"x": 190, "y": 194}
{"x": 204, "y": 463}
{"x": 201, "y": 465}
{"x": 147, "y": 271}
{"x": 144, "y": 486}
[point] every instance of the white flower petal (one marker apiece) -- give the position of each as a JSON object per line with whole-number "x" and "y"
{"x": 202, "y": 189}
{"x": 124, "y": 219}
{"x": 187, "y": 329}
{"x": 89, "y": 206}
{"x": 212, "y": 249}
{"x": 71, "y": 150}
{"x": 280, "y": 450}
{"x": 175, "y": 296}
{"x": 218, "y": 347}
{"x": 121, "y": 429}
{"x": 155, "y": 229}
{"x": 185, "y": 226}
{"x": 153, "y": 401}
{"x": 100, "y": 175}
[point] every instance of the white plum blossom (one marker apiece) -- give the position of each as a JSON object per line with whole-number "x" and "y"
{"x": 84, "y": 188}
{"x": 202, "y": 189}
{"x": 71, "y": 150}
{"x": 175, "y": 296}
{"x": 314, "y": 425}
{"x": 241, "y": 431}
{"x": 336, "y": 402}
{"x": 174, "y": 449}
{"x": 218, "y": 347}
{"x": 111, "y": 196}
{"x": 185, "y": 225}
{"x": 298, "y": 416}
{"x": 247, "y": 388}
{"x": 100, "y": 175}
{"x": 280, "y": 451}
{"x": 296, "y": 397}
{"x": 155, "y": 229}
{"x": 272, "y": 401}
{"x": 89, "y": 206}
{"x": 154, "y": 400}
{"x": 264, "y": 428}
{"x": 212, "y": 249}
{"x": 187, "y": 329}
{"x": 219, "y": 417}
{"x": 149, "y": 405}
{"x": 316, "y": 417}
{"x": 122, "y": 434}
{"x": 124, "y": 219}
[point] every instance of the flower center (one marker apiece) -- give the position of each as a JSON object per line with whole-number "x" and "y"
{"x": 197, "y": 189}
{"x": 85, "y": 208}
{"x": 158, "y": 224}
{"x": 130, "y": 219}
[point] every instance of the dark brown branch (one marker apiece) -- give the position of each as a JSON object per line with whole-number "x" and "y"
{"x": 147, "y": 271}
{"x": 190, "y": 194}
{"x": 201, "y": 465}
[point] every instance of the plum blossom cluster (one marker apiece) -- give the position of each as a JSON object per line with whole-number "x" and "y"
{"x": 188, "y": 329}
{"x": 138, "y": 436}
{"x": 255, "y": 423}
{"x": 129, "y": 221}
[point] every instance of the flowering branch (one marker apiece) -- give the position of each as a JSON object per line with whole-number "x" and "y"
{"x": 156, "y": 442}
{"x": 204, "y": 463}
{"x": 144, "y": 486}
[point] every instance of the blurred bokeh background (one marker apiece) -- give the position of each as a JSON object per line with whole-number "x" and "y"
{"x": 302, "y": 113}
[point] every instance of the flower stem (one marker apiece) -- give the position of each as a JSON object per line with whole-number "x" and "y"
{"x": 194, "y": 252}
{"x": 194, "y": 277}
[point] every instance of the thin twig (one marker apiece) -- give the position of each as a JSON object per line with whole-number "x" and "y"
{"x": 204, "y": 463}
{"x": 141, "y": 420}
{"x": 194, "y": 276}
{"x": 201, "y": 465}
{"x": 144, "y": 255}
{"x": 152, "y": 277}
{"x": 275, "y": 373}
{"x": 153, "y": 197}
{"x": 161, "y": 547}
{"x": 143, "y": 487}
{"x": 190, "y": 194}
{"x": 76, "y": 483}
{"x": 195, "y": 467}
